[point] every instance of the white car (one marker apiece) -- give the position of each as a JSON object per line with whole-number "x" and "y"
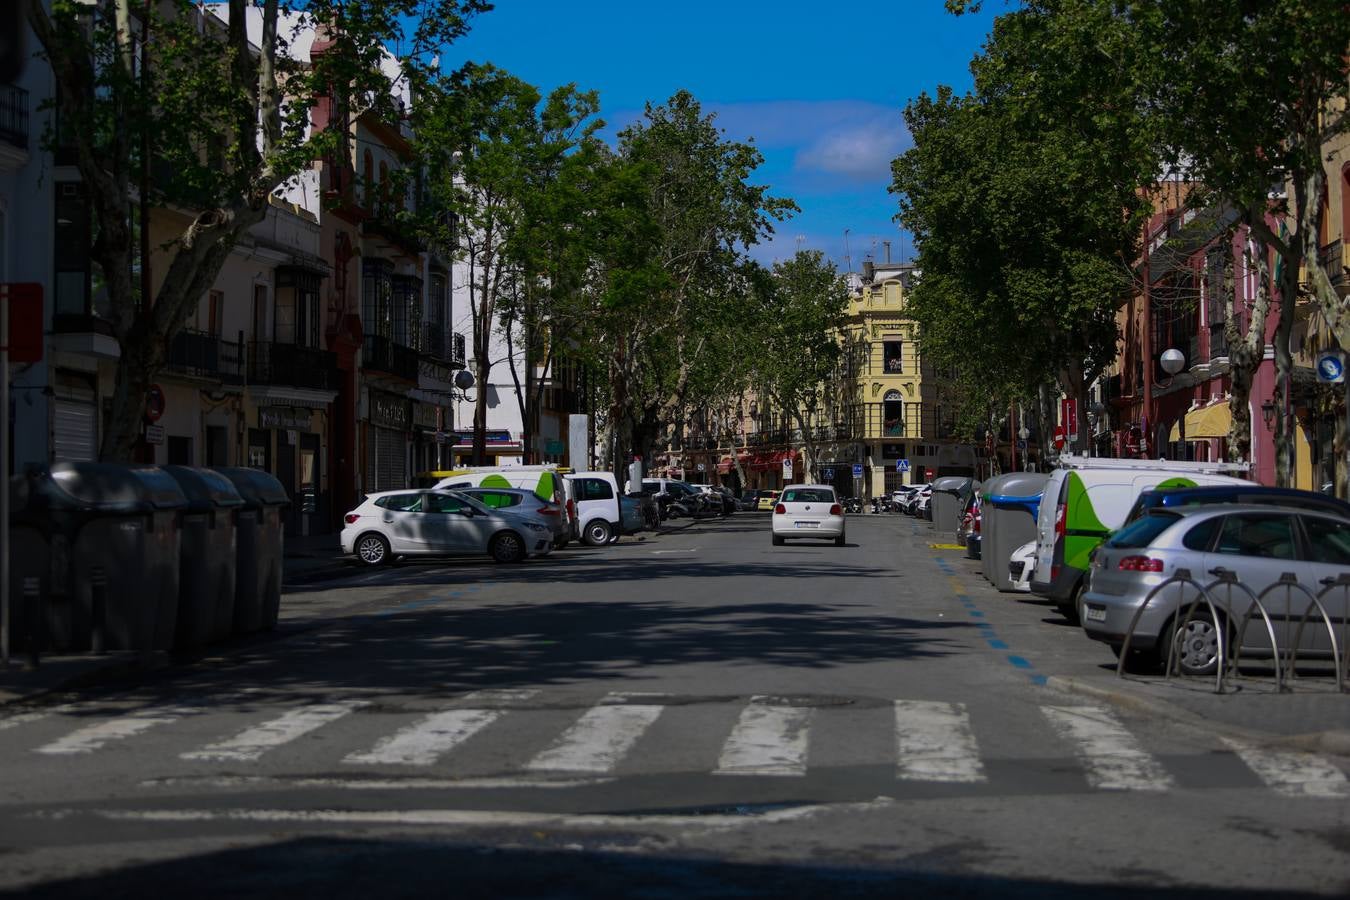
{"x": 808, "y": 511}
{"x": 1020, "y": 566}
{"x": 438, "y": 523}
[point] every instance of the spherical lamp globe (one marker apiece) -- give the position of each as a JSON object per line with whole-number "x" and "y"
{"x": 1173, "y": 361}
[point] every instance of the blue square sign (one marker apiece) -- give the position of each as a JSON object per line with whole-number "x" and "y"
{"x": 857, "y": 470}
{"x": 902, "y": 465}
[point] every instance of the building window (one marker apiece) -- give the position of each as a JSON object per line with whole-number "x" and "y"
{"x": 297, "y": 308}
{"x": 893, "y": 414}
{"x": 377, "y": 287}
{"x": 260, "y": 313}
{"x": 215, "y": 306}
{"x": 368, "y": 180}
{"x": 891, "y": 356}
{"x": 73, "y": 237}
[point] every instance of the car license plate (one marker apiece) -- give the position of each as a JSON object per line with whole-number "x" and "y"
{"x": 808, "y": 524}
{"x": 1096, "y": 614}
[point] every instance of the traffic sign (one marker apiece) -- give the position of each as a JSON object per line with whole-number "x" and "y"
{"x": 701, "y": 467}
{"x": 902, "y": 465}
{"x": 1330, "y": 368}
{"x": 787, "y": 468}
{"x": 827, "y": 474}
{"x": 857, "y": 470}
{"x": 1021, "y": 445}
{"x": 154, "y": 403}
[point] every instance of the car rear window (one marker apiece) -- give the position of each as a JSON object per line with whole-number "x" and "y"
{"x": 808, "y": 495}
{"x": 1141, "y": 532}
{"x": 495, "y": 499}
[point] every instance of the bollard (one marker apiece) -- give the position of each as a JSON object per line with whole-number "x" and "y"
{"x": 98, "y": 582}
{"x": 33, "y": 613}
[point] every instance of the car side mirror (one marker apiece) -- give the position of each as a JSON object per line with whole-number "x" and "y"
{"x": 467, "y": 512}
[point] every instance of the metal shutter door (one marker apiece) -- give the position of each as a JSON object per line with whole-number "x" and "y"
{"x": 74, "y": 430}
{"x": 391, "y": 460}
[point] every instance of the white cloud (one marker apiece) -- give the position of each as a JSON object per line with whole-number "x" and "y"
{"x": 861, "y": 151}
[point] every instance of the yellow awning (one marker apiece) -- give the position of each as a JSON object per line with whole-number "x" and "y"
{"x": 1208, "y": 422}
{"x": 1175, "y": 434}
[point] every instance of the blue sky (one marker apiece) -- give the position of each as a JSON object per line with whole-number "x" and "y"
{"x": 820, "y": 88}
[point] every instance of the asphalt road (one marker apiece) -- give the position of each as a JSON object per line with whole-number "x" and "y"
{"x": 699, "y": 714}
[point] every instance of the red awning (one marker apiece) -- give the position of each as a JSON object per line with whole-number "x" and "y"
{"x": 724, "y": 466}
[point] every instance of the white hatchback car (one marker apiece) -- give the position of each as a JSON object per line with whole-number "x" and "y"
{"x": 808, "y": 511}
{"x": 438, "y": 523}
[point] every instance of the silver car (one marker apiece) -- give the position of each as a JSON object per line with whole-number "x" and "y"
{"x": 391, "y": 524}
{"x": 1256, "y": 545}
{"x": 520, "y": 502}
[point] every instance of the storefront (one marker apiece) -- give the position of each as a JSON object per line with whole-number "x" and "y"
{"x": 430, "y": 427}
{"x": 288, "y": 441}
{"x": 501, "y": 448}
{"x": 388, "y": 422}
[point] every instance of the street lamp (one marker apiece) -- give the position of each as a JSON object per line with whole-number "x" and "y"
{"x": 1268, "y": 412}
{"x": 1173, "y": 361}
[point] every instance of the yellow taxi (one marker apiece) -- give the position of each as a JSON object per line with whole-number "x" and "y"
{"x": 767, "y": 501}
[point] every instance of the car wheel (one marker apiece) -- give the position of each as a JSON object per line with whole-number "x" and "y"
{"x": 561, "y": 544}
{"x": 372, "y": 549}
{"x": 1071, "y": 609}
{"x": 598, "y": 532}
{"x": 507, "y": 547}
{"x": 1197, "y": 645}
{"x": 839, "y": 541}
{"x": 778, "y": 540}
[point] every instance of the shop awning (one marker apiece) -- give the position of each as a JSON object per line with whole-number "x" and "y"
{"x": 725, "y": 465}
{"x": 1175, "y": 434}
{"x": 1211, "y": 421}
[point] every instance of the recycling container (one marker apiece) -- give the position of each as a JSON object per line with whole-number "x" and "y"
{"x": 206, "y": 572}
{"x": 1011, "y": 503}
{"x": 258, "y": 549}
{"x": 29, "y": 565}
{"x": 945, "y": 506}
{"x": 112, "y": 534}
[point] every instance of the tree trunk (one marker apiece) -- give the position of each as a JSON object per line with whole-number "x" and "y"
{"x": 1245, "y": 350}
{"x": 1284, "y": 377}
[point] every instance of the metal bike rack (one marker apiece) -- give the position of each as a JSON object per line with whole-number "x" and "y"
{"x": 1289, "y": 581}
{"x": 1180, "y": 577}
{"x": 1230, "y": 580}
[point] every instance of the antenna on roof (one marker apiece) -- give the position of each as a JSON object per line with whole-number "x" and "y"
{"x": 847, "y": 258}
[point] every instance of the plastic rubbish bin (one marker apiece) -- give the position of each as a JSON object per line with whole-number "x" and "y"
{"x": 1011, "y": 503}
{"x": 946, "y": 502}
{"x": 115, "y": 526}
{"x": 206, "y": 574}
{"x": 258, "y": 549}
{"x": 29, "y": 566}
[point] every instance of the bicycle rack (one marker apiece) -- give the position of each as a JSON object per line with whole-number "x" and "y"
{"x": 1342, "y": 582}
{"x": 1289, "y": 581}
{"x": 1230, "y": 580}
{"x": 1180, "y": 577}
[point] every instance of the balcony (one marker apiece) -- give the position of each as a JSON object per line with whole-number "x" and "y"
{"x": 441, "y": 344}
{"x": 292, "y": 366}
{"x": 14, "y": 116}
{"x": 203, "y": 355}
{"x": 1335, "y": 260}
{"x": 379, "y": 354}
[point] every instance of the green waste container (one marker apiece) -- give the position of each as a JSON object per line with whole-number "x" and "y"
{"x": 113, "y": 525}
{"x": 258, "y": 549}
{"x": 207, "y": 546}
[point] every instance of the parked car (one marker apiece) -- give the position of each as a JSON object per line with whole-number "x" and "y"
{"x": 1021, "y": 564}
{"x": 1087, "y": 499}
{"x": 390, "y": 524}
{"x": 1176, "y": 497}
{"x": 595, "y": 496}
{"x": 721, "y": 499}
{"x": 808, "y": 511}
{"x": 636, "y": 514}
{"x": 514, "y": 501}
{"x": 749, "y": 501}
{"x": 766, "y": 501}
{"x": 1257, "y": 545}
{"x": 544, "y": 480}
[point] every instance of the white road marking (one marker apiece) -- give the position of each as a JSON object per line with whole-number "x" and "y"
{"x": 100, "y": 734}
{"x": 1112, "y": 757}
{"x": 252, "y": 743}
{"x": 659, "y": 552}
{"x": 767, "y": 740}
{"x": 373, "y": 784}
{"x": 1293, "y": 773}
{"x": 934, "y": 742}
{"x": 599, "y": 739}
{"x": 18, "y": 719}
{"x": 423, "y": 743}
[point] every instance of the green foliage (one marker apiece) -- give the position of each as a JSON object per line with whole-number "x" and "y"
{"x": 1024, "y": 200}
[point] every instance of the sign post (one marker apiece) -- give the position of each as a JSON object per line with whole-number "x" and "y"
{"x": 1331, "y": 370}
{"x": 787, "y": 470}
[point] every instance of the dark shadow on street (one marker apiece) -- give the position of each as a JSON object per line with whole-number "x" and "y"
{"x": 557, "y": 867}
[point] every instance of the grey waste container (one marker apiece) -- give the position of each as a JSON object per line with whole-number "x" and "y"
{"x": 29, "y": 564}
{"x": 258, "y": 549}
{"x": 120, "y": 521}
{"x": 1009, "y": 521}
{"x": 946, "y": 503}
{"x": 206, "y": 577}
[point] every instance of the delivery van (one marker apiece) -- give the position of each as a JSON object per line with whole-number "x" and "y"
{"x": 1086, "y": 499}
{"x": 546, "y": 481}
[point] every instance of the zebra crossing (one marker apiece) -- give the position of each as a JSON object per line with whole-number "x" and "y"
{"x": 771, "y": 737}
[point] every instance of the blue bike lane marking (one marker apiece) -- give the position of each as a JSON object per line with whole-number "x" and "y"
{"x": 987, "y": 631}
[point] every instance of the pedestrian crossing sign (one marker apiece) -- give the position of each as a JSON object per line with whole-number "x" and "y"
{"x": 902, "y": 465}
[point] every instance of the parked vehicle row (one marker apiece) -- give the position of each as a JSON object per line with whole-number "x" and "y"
{"x": 1109, "y": 533}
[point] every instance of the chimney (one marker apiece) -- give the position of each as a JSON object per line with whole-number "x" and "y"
{"x": 887, "y": 245}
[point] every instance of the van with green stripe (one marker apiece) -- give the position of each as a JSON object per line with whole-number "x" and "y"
{"x": 1087, "y": 499}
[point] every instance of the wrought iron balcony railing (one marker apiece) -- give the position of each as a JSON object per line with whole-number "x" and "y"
{"x": 380, "y": 354}
{"x": 205, "y": 355}
{"x": 289, "y": 364}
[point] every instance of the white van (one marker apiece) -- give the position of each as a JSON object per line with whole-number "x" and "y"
{"x": 1086, "y": 499}
{"x": 596, "y": 499}
{"x": 546, "y": 481}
